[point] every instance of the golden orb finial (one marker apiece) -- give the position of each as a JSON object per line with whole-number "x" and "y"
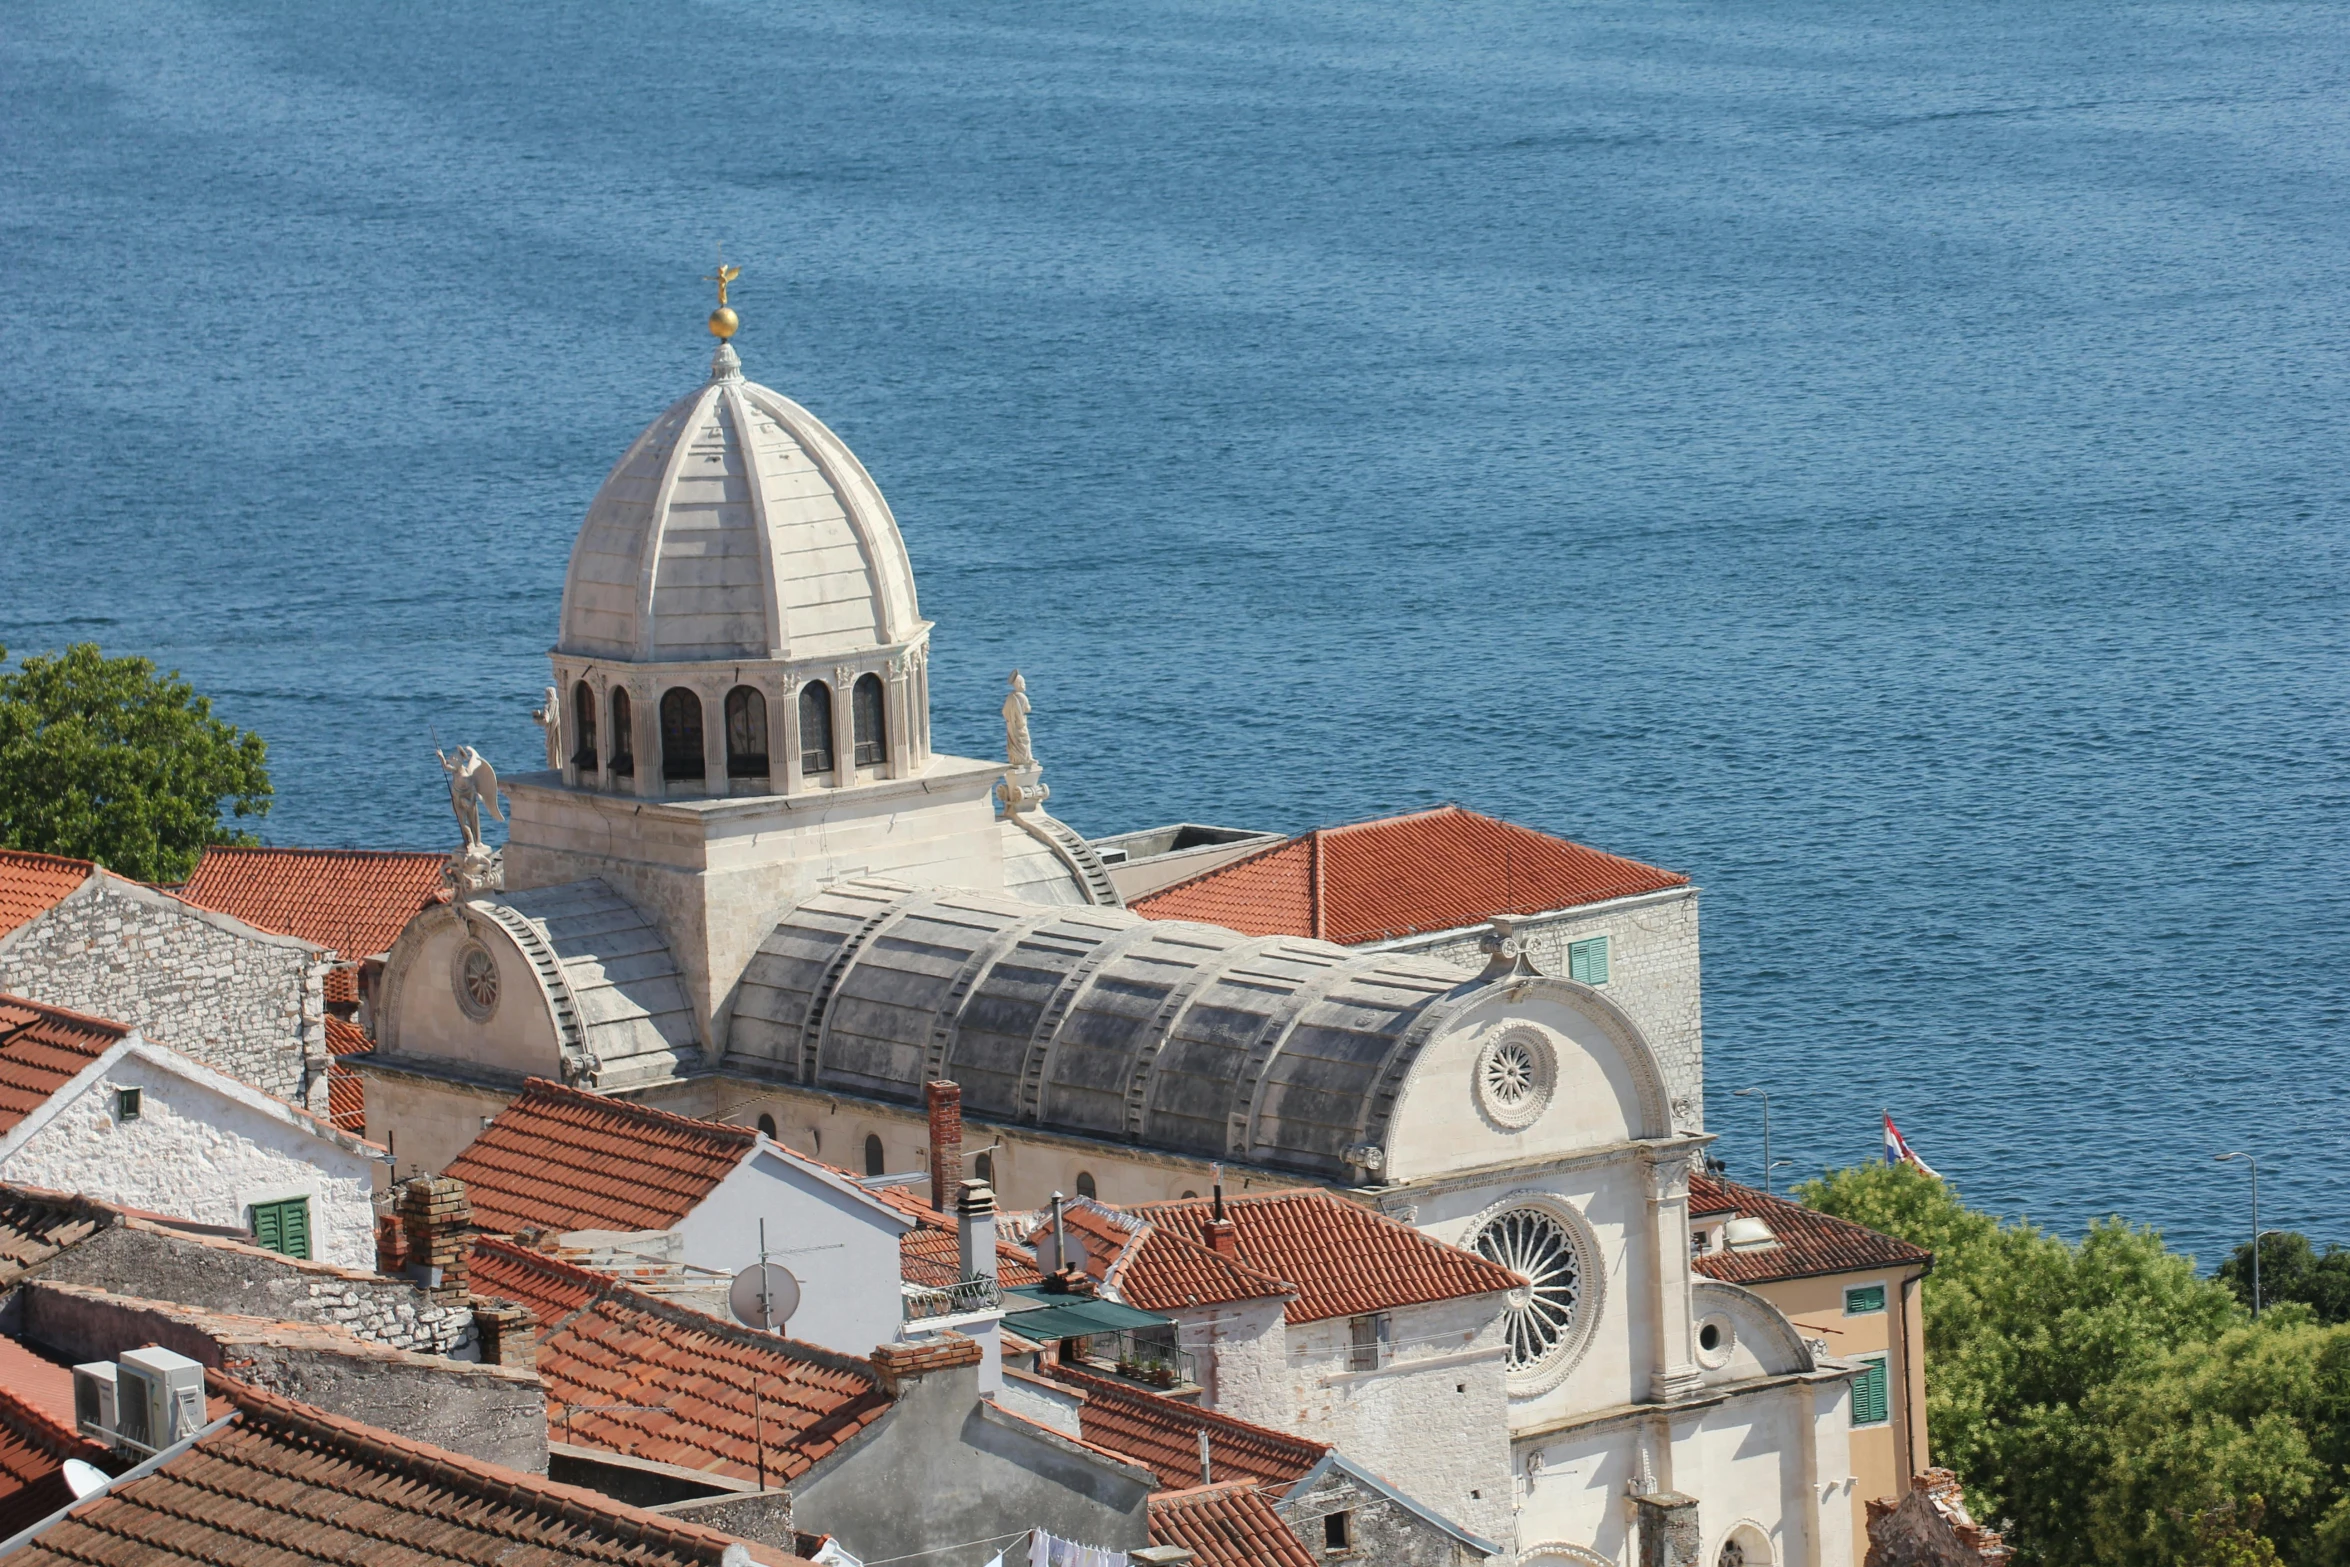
{"x": 723, "y": 321}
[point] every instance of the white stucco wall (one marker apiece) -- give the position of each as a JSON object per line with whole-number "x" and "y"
{"x": 195, "y": 1152}
{"x": 1241, "y": 1350}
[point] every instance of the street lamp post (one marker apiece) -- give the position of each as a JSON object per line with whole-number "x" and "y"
{"x": 1765, "y": 1095}
{"x": 2255, "y": 1163}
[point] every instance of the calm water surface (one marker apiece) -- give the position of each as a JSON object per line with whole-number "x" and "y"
{"x": 1887, "y": 461}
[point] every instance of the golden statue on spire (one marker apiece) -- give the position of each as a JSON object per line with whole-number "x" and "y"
{"x": 723, "y": 320}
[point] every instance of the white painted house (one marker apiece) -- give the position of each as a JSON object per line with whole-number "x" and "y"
{"x": 92, "y": 1106}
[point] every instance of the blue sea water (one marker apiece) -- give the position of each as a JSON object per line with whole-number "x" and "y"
{"x": 1885, "y": 460}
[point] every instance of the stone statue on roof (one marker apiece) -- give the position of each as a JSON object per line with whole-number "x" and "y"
{"x": 472, "y": 785}
{"x": 1016, "y": 749}
{"x": 550, "y": 718}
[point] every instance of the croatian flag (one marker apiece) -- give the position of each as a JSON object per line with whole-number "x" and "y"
{"x": 1898, "y": 1150}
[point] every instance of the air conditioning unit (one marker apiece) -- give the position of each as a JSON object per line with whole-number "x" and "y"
{"x": 93, "y": 1400}
{"x": 159, "y": 1397}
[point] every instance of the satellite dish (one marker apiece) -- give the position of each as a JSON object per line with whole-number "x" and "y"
{"x": 82, "y": 1479}
{"x": 764, "y": 1295}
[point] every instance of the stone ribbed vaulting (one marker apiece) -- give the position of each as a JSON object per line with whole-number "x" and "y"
{"x": 1274, "y": 1050}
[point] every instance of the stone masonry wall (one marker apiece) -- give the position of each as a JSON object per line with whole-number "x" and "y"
{"x": 242, "y": 1001}
{"x": 1379, "y": 1530}
{"x": 1652, "y": 974}
{"x": 137, "y": 1258}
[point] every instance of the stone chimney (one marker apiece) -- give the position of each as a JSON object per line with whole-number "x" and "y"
{"x": 898, "y": 1365}
{"x": 975, "y": 1230}
{"x": 509, "y": 1333}
{"x": 946, "y": 1142}
{"x": 1219, "y": 1232}
{"x": 438, "y": 1223}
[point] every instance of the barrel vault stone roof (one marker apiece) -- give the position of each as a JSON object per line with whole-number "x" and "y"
{"x": 1403, "y": 875}
{"x": 1270, "y": 1050}
{"x": 737, "y": 527}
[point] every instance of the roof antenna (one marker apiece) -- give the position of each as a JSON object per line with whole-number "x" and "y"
{"x": 1218, "y": 1189}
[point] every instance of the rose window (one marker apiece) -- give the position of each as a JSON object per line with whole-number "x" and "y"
{"x": 1534, "y": 1245}
{"x": 477, "y": 981}
{"x": 1510, "y": 1073}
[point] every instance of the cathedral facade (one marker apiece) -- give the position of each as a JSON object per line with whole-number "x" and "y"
{"x": 744, "y": 887}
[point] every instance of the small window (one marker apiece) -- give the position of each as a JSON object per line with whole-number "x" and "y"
{"x": 983, "y": 1168}
{"x": 1864, "y": 1300}
{"x": 623, "y": 735}
{"x": 1338, "y": 1531}
{"x": 126, "y": 1104}
{"x": 1085, "y": 1186}
{"x": 1709, "y": 1337}
{"x": 815, "y": 729}
{"x": 1869, "y": 1407}
{"x": 1367, "y": 1341}
{"x": 873, "y": 1160}
{"x": 283, "y": 1227}
{"x": 1587, "y": 960}
{"x": 865, "y": 712}
{"x": 746, "y": 733}
{"x": 767, "y": 1126}
{"x": 681, "y": 735}
{"x": 583, "y": 721}
{"x": 1188, "y": 1194}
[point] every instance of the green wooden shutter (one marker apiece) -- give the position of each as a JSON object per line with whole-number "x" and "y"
{"x": 1864, "y": 1300}
{"x": 283, "y": 1227}
{"x": 1868, "y": 1395}
{"x": 1587, "y": 961}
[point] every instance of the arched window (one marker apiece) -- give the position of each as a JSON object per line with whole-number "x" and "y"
{"x": 815, "y": 729}
{"x": 746, "y": 733}
{"x": 1085, "y": 1183}
{"x": 767, "y": 1125}
{"x": 623, "y": 735}
{"x": 681, "y": 734}
{"x": 872, "y": 733}
{"x": 983, "y": 1168}
{"x": 583, "y": 722}
{"x": 873, "y": 1153}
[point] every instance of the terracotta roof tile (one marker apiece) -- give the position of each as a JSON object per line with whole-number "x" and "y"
{"x": 605, "y": 1344}
{"x": 342, "y": 986}
{"x": 35, "y": 1225}
{"x": 1226, "y": 1525}
{"x": 1162, "y": 1435}
{"x": 559, "y": 1159}
{"x": 1402, "y": 875}
{"x": 1810, "y": 1243}
{"x": 43, "y": 1048}
{"x": 355, "y": 901}
{"x": 1171, "y": 1271}
{"x": 31, "y": 884}
{"x": 44, "y": 1385}
{"x": 1343, "y": 1258}
{"x": 288, "y": 1483}
{"x": 34, "y": 1445}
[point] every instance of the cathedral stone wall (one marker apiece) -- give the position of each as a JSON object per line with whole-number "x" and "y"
{"x": 1652, "y": 975}
{"x": 242, "y": 1001}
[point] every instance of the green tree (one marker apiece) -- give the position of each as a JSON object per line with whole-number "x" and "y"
{"x": 2291, "y": 1269}
{"x": 2022, "y": 1331}
{"x": 104, "y": 759}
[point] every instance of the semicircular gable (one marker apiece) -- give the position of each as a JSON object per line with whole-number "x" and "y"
{"x": 1765, "y": 1342}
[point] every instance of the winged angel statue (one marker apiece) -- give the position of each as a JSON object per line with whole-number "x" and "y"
{"x": 472, "y": 785}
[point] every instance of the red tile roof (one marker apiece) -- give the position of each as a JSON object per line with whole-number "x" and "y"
{"x": 1402, "y": 875}
{"x": 43, "y": 1384}
{"x": 1162, "y": 1435}
{"x": 34, "y": 1445}
{"x": 1343, "y": 1258}
{"x": 605, "y": 1344}
{"x": 559, "y": 1159}
{"x": 286, "y": 1483}
{"x": 43, "y": 1048}
{"x": 1171, "y": 1271}
{"x": 1811, "y": 1243}
{"x": 346, "y": 1090}
{"x": 32, "y": 884}
{"x": 355, "y": 901}
{"x": 1229, "y": 1524}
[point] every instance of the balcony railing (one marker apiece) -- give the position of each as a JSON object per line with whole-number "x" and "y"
{"x": 953, "y": 1300}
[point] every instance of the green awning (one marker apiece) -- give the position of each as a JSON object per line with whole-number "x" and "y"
{"x": 1043, "y": 1317}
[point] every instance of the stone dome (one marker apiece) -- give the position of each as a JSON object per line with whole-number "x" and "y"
{"x": 737, "y": 527}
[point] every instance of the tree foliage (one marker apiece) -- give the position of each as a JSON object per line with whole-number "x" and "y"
{"x": 2291, "y": 1269}
{"x": 2104, "y": 1404}
{"x": 105, "y": 759}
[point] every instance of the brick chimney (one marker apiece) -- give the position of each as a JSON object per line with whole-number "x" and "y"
{"x": 1219, "y": 1232}
{"x": 509, "y": 1333}
{"x": 946, "y": 1142}
{"x": 975, "y": 1230}
{"x": 438, "y": 1223}
{"x": 897, "y": 1365}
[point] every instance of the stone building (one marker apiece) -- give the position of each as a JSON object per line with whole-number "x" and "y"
{"x": 747, "y": 887}
{"x": 248, "y": 1002}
